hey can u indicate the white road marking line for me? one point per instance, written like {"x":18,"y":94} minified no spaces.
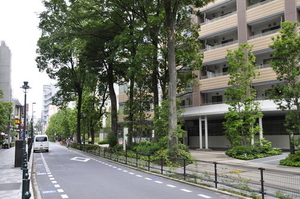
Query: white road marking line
{"x":119,"y":169}
{"x":186,"y":190}
{"x":204,"y":196}
{"x":159,"y":182}
{"x":138,"y":176}
{"x":52,"y":178}
{"x":64,"y":196}
{"x":131,"y":173}
{"x":60,"y":190}
{"x":148,"y":179}
{"x":172,"y":186}
{"x":125,"y":171}
{"x":54,"y":182}
{"x":56,"y":185}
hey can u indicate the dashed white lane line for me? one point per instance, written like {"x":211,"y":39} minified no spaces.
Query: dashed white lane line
{"x":52,"y":179}
{"x":186,"y":190}
{"x":172,"y":186}
{"x":204,"y":196}
{"x":64,"y":196}
{"x":140,"y":176}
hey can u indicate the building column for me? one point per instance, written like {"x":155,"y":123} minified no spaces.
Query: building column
{"x":200,"y":132}
{"x":290,"y":13}
{"x":206,"y":133}
{"x":261,"y":129}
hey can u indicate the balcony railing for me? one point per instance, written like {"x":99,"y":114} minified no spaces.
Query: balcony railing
{"x":208,"y":47}
{"x":264,"y":34}
{"x":259,"y":4}
{"x":207,"y":21}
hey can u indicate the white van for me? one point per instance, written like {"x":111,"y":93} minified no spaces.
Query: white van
{"x":41,"y":143}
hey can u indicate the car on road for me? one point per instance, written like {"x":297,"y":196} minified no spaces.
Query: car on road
{"x":41,"y":143}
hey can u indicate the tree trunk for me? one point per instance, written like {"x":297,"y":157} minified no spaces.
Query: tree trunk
{"x":170,"y":20}
{"x":113,"y":98}
{"x":78,"y":134}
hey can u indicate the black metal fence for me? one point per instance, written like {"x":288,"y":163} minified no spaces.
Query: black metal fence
{"x":251,"y":181}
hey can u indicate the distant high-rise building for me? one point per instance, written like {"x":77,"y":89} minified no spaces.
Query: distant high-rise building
{"x":48,"y":92}
{"x":5,"y":72}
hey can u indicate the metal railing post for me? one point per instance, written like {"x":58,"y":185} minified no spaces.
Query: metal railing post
{"x":216,"y":175}
{"x":161,"y":164}
{"x":148,"y":162}
{"x":262,"y":182}
{"x":184,"y":169}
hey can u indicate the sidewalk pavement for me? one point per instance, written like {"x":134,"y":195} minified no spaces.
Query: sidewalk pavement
{"x":11,"y":176}
{"x":221,"y":157}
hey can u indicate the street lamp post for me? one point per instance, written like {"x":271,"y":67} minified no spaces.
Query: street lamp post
{"x":26,"y":181}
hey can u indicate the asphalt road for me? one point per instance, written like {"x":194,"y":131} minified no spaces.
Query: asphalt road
{"x":65,"y":173}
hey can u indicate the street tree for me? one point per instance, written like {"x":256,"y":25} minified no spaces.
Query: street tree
{"x":62,"y":125}
{"x":5,"y":110}
{"x":286,"y":65}
{"x":58,"y":51}
{"x":241,"y":119}
{"x":173,"y":9}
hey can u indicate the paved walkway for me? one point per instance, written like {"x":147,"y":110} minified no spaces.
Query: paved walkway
{"x":10,"y":176}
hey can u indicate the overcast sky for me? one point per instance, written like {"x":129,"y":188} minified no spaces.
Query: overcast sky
{"x":18,"y":28}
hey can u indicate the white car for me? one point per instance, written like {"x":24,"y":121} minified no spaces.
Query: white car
{"x":41,"y":143}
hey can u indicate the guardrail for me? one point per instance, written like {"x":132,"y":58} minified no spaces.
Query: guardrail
{"x":245,"y":180}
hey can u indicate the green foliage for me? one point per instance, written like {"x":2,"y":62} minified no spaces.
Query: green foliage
{"x":241,"y":119}
{"x":5,"y":110}
{"x":103,"y":142}
{"x":112,"y":139}
{"x":146,"y":147}
{"x":62,"y":125}
{"x":292,"y":160}
{"x":286,"y":93}
{"x":258,"y":150}
{"x":282,"y":196}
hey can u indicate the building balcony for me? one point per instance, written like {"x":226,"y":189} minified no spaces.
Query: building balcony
{"x":218,"y":24}
{"x":269,"y":8}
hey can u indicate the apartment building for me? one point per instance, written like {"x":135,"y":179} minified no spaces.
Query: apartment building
{"x":48,"y":92}
{"x":225,"y":24}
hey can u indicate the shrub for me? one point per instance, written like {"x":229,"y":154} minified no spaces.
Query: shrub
{"x":292,"y":160}
{"x":146,"y":147}
{"x":103,"y":142}
{"x":253,"y":151}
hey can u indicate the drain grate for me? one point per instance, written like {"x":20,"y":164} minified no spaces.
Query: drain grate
{"x":10,"y":186}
